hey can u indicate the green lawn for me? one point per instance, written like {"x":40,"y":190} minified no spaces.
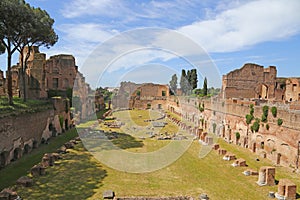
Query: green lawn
{"x":81,"y":176}
{"x":21,"y":107}
{"x":15,"y":170}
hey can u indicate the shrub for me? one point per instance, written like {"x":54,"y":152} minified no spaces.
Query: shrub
{"x":255,"y":126}
{"x":214,"y":127}
{"x":267,"y":126}
{"x":201,"y":109}
{"x":264,"y":118}
{"x":251,"y":109}
{"x":237,"y":135}
{"x":274,"y":111}
{"x":266,"y":110}
{"x":279,"y":122}
{"x":249,"y":119}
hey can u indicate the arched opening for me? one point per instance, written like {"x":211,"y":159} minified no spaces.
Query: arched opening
{"x":264,"y":91}
{"x":27,"y":149}
{"x":254,"y":147}
{"x":34,"y":144}
{"x":17,"y":154}
{"x":278,"y":159}
{"x":66,"y":124}
{"x":3,"y":157}
{"x":262,"y":145}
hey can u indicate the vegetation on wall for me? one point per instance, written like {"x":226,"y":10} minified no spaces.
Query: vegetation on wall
{"x":279,"y":122}
{"x":255,"y":126}
{"x":274,"y":111}
{"x":214,"y":127}
{"x":264,"y":117}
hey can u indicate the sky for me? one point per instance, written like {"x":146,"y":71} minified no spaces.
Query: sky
{"x":148,"y":41}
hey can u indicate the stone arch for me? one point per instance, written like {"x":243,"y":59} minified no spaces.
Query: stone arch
{"x":35,"y":144}
{"x":3,"y":158}
{"x":17,"y":153}
{"x":27,"y":149}
{"x":264,"y":91}
{"x":66,"y":124}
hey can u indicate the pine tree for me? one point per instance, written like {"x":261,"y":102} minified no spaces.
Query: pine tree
{"x":194,"y":79}
{"x":173,"y":84}
{"x":205,"y":87}
{"x":184,"y":82}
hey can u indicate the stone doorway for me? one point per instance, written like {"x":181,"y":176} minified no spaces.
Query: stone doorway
{"x":66,"y":124}
{"x":278,"y":158}
{"x":27,"y":149}
{"x":264,"y":91}
{"x":3,"y":157}
{"x":254,"y":147}
{"x":17,"y":154}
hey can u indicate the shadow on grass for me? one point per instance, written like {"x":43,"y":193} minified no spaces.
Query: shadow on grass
{"x":76,"y":176}
{"x":124,"y":141}
{"x":99,"y":140}
{"x":13,"y":171}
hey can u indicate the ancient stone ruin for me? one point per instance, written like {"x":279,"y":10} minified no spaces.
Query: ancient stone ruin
{"x":266,"y":176}
{"x":286,"y":190}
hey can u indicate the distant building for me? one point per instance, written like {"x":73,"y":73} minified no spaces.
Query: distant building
{"x":253,"y":81}
{"x":149,"y":95}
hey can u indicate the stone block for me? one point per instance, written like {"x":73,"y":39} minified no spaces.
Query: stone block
{"x":222,"y":151}
{"x":108,"y":194}
{"x":25,"y":181}
{"x":216,"y":146}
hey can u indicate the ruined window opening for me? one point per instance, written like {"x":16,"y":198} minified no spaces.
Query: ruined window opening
{"x":282,"y":86}
{"x":66,"y":83}
{"x":55,"y":70}
{"x":282,"y":98}
{"x":163,"y":93}
{"x":55,"y":83}
{"x":294,"y":87}
{"x":262,"y":145}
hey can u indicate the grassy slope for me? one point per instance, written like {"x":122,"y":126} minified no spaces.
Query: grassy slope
{"x":21,"y":107}
{"x":19,"y":168}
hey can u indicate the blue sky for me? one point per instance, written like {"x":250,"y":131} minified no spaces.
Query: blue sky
{"x":232,"y":32}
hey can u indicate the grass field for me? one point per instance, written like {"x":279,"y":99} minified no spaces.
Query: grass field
{"x":80,"y":176}
{"x":21,"y":107}
{"x":21,"y":167}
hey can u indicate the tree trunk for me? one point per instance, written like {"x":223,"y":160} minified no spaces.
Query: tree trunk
{"x":9,"y":79}
{"x":23,"y":74}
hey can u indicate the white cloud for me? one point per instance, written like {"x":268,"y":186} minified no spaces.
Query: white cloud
{"x":78,"y":8}
{"x":89,"y":32}
{"x":246,"y":25}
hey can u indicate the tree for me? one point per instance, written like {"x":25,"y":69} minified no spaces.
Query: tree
{"x":205,"y":87}
{"x":194,"y":79}
{"x":39,"y":32}
{"x":11,"y":27}
{"x":184,"y":85}
{"x":173,"y":84}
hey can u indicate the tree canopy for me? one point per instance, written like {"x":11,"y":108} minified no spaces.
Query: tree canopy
{"x":22,"y":25}
{"x":173,"y":84}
